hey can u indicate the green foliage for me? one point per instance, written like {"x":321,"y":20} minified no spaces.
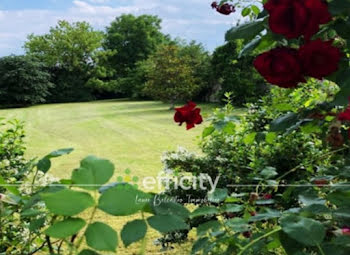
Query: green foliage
{"x":236,"y":74}
{"x":170,"y":77}
{"x":23,"y":81}
{"x":133,"y":39}
{"x":101,"y":237}
{"x":69,"y":49}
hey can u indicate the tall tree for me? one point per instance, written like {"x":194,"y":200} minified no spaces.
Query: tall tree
{"x":236,"y":74}
{"x":133,"y":39}
{"x":170,"y":76}
{"x":69,"y":49}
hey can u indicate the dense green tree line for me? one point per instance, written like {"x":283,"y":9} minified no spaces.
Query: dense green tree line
{"x":131,"y":58}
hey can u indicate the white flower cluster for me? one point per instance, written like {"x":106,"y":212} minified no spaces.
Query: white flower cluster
{"x":181,"y":154}
{"x":42,"y":180}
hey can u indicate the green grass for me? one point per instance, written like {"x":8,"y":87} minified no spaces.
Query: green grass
{"x":132,"y":134}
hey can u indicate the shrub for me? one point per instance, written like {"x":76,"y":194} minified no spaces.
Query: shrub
{"x":23,"y":81}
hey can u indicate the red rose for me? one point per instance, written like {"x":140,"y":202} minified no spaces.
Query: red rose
{"x":267,"y":196}
{"x":344,"y":115}
{"x":293,"y":18}
{"x":346,"y":231}
{"x":225,"y":9}
{"x":321,"y":182}
{"x":319,"y":58}
{"x":281,"y":67}
{"x":214,"y":5}
{"x":189,"y":114}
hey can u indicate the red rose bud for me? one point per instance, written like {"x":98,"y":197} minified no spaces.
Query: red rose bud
{"x":189,"y":114}
{"x":293,"y":18}
{"x":252,"y":213}
{"x":281,"y":67}
{"x":267,"y":196}
{"x":321,"y":182}
{"x":346,"y":231}
{"x":214,"y":5}
{"x":319,"y":59}
{"x":247,"y":234}
{"x":225,"y":9}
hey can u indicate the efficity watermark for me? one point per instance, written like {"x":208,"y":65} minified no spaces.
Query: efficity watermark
{"x":165,"y":181}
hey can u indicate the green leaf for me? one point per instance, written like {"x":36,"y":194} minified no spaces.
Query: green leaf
{"x":166,"y":224}
{"x":304,"y":230}
{"x":93,"y":171}
{"x":88,"y":252}
{"x":340,"y":198}
{"x":270,"y":137}
{"x":343,"y":81}
{"x":249,"y":47}
{"x":245,"y":31}
{"x":337,"y":7}
{"x":66,"y":228}
{"x":36,"y":224}
{"x":59,"y":153}
{"x":218,"y":195}
{"x":101,"y":237}
{"x":268,"y":172}
{"x":207,"y":226}
{"x":310,"y":199}
{"x":255,"y":9}
{"x":290,"y":246}
{"x":269,"y":214}
{"x":237,"y":224}
{"x":161,"y":206}
{"x":67,"y":202}
{"x":284,"y":122}
{"x":208,"y":131}
{"x":246,"y":11}
{"x":44,"y":164}
{"x":123,"y":200}
{"x":11,"y":189}
{"x":133,"y":232}
{"x":199,"y":245}
{"x":232,"y":208}
{"x":250,"y":138}
{"x":205,"y":210}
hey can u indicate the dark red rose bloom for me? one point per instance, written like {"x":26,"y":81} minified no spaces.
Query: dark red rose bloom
{"x":189,"y":114}
{"x":214,"y":5}
{"x":319,"y":58}
{"x":346,"y":231}
{"x":343,"y":116}
{"x":321,"y":182}
{"x":281,"y":67}
{"x":225,"y":9}
{"x":247,"y":234}
{"x":267,"y":196}
{"x":293,"y":18}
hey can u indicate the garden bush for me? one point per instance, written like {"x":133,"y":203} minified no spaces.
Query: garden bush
{"x":23,"y":81}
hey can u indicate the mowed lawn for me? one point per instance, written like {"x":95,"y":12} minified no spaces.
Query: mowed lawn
{"x":132,"y":134}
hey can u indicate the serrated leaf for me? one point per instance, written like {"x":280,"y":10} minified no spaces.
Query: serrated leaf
{"x":123,"y":200}
{"x":66,"y":228}
{"x":304,"y":230}
{"x":101,"y":237}
{"x":67,"y":202}
{"x":218,"y":195}
{"x":133,"y":231}
{"x":166,"y":224}
{"x":205,"y":210}
{"x":245,"y":31}
{"x":93,"y":173}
